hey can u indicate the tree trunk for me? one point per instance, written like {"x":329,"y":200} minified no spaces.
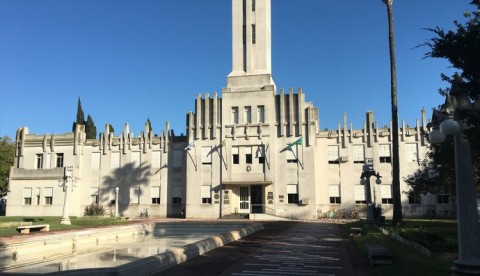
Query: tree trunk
{"x":397,"y":203}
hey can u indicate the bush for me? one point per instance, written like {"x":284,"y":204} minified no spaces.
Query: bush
{"x":94,"y":210}
{"x":431,"y":240}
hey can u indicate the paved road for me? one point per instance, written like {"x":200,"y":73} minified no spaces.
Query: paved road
{"x":283,"y":248}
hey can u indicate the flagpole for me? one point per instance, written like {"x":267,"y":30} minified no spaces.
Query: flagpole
{"x":221,"y":173}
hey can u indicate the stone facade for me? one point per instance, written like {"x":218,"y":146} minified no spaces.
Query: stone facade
{"x":253,"y":150}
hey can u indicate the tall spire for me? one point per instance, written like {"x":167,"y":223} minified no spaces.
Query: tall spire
{"x":251,"y":45}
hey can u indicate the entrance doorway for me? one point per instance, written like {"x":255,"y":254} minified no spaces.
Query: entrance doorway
{"x":244,"y":199}
{"x":256,"y":199}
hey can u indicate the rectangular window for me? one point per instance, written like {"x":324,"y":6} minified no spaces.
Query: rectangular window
{"x":177,"y":200}
{"x":248,"y":155}
{"x":115,"y":160}
{"x":113,"y":196}
{"x":254,"y":34}
{"x":261,"y":154}
{"x":411,"y":153}
{"x":332,"y":152}
{"x":94,"y":195}
{"x":358,"y":154}
{"x":248,"y":114}
{"x":261,"y":114}
{"x":291,"y":157}
{"x":360,"y":194}
{"x":235,"y":156}
{"x":134,"y":195}
{"x":414,"y":200}
{"x":48,"y":195}
{"x":207,"y":155}
{"x":443,"y":199}
{"x":206,"y":194}
{"x":155,"y":194}
{"x":95,"y":161}
{"x":27,"y":196}
{"x":59,"y":160}
{"x":334,"y":193}
{"x":235,"y":115}
{"x":156,"y":159}
{"x":253,"y":5}
{"x":39,"y":161}
{"x":386,"y":191}
{"x":384,"y":154}
{"x":292,"y":192}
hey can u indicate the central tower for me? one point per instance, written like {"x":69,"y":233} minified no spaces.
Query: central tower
{"x":251,"y":45}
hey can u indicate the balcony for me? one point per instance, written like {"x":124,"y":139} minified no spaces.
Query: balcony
{"x":34,"y":174}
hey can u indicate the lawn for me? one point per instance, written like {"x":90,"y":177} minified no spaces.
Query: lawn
{"x":55,"y":223}
{"x":407,"y":261}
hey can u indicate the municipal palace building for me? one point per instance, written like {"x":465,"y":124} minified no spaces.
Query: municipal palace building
{"x":254,"y":150}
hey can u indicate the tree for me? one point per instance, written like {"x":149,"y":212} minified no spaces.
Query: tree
{"x":7,"y":156}
{"x":397,"y":203}
{"x":90,"y":128}
{"x":80,"y":115}
{"x":460,"y":47}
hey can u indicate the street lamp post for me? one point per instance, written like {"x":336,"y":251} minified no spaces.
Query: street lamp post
{"x":68,"y":182}
{"x":447,"y":122}
{"x":367,"y":172}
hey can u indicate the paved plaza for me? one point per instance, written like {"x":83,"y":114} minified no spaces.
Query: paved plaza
{"x":283,"y":248}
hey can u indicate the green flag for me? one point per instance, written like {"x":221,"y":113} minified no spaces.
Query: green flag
{"x":298,"y":142}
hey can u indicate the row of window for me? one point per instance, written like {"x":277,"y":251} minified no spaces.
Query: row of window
{"x":384,"y":153}
{"x":39,"y":162}
{"x":247,"y":114}
{"x":34,"y":196}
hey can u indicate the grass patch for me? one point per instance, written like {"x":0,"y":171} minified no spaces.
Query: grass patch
{"x":406,"y":261}
{"x":54,"y":222}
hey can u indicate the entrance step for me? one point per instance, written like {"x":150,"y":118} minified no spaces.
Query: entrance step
{"x":263,"y":216}
{"x":235,"y":216}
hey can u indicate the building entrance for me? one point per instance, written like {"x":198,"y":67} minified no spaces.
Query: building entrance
{"x":251,"y":199}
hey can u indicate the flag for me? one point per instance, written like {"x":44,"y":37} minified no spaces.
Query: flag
{"x":298,"y":142}
{"x":224,"y":143}
{"x":190,"y":146}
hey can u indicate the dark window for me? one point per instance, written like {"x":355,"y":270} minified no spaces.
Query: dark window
{"x":254,"y":34}
{"x":48,"y":200}
{"x":360,"y":202}
{"x":359,"y":161}
{"x":443,"y":199}
{"x":155,"y":200}
{"x":261,"y":160}
{"x":335,"y":200}
{"x":177,"y":200}
{"x":236,"y":159}
{"x":112,"y":202}
{"x":248,"y":158}
{"x":293,"y":198}
{"x":333,"y":162}
{"x":385,"y":159}
{"x":59,"y":160}
{"x":292,"y":160}
{"x":387,"y":200}
{"x":207,"y":200}
{"x":253,"y":5}
{"x":414,"y":200}
{"x":39,"y":161}
{"x":27,"y":201}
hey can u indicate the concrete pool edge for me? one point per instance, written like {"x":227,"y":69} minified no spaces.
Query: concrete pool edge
{"x":167,"y":259}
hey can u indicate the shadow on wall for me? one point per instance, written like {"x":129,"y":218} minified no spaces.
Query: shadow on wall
{"x":131,"y":179}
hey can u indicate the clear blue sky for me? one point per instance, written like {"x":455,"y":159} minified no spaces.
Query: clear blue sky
{"x":130,"y":60}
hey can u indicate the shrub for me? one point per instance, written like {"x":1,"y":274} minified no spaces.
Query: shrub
{"x":94,"y":210}
{"x":431,"y":240}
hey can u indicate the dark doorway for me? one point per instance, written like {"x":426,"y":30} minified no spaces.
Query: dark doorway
{"x":256,"y":199}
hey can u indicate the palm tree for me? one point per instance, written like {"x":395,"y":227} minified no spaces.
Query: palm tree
{"x":397,"y":204}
